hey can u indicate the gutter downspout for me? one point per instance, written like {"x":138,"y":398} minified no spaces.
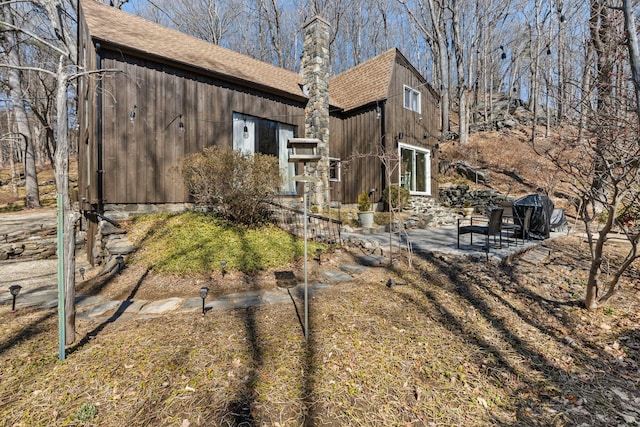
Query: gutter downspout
{"x":99,"y":133}
{"x":383,"y":132}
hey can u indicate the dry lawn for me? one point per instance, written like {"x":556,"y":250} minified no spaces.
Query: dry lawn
{"x":462,"y":344}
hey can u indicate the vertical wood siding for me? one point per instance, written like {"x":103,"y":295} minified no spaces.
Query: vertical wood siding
{"x":142,"y":158}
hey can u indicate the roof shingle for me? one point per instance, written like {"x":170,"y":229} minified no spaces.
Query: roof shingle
{"x":357,"y":86}
{"x":364,"y":83}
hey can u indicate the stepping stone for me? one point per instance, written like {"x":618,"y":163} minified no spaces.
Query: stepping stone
{"x":537,"y":255}
{"x":100,"y":309}
{"x":336,"y":276}
{"x":87,"y":300}
{"x":194,"y":302}
{"x":157,"y":307}
{"x":370,"y":260}
{"x":353,"y":269}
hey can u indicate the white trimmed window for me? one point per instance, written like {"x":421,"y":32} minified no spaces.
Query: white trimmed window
{"x":412,"y":99}
{"x":335,"y":167}
{"x":256,"y":135}
{"x":415,"y":169}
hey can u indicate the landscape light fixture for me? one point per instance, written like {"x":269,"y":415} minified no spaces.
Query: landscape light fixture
{"x":181,"y":125}
{"x":120,"y":262}
{"x":319,"y":254}
{"x":81,"y":270}
{"x":223,"y":267}
{"x":14,"y":290}
{"x":203,"y":294}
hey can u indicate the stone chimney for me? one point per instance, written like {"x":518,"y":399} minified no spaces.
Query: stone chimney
{"x":316,"y":70}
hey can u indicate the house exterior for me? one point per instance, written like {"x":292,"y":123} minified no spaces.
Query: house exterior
{"x":161,"y":95}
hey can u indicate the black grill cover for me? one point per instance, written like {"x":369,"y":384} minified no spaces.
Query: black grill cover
{"x":539,"y":227}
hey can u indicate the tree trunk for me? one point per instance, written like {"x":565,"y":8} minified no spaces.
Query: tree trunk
{"x":436,"y":12}
{"x":634,"y":51}
{"x":69,"y":217}
{"x":463,"y":107}
{"x":32,"y":196}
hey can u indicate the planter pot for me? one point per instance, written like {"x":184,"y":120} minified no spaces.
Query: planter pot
{"x":365,"y":219}
{"x":468,"y":211}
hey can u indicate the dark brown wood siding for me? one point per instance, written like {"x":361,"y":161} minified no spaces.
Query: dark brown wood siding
{"x":418,"y":129}
{"x":357,"y":137}
{"x":358,"y":148}
{"x":142,"y":158}
{"x":86,"y":113}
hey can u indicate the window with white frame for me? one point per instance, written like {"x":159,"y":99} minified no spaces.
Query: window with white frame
{"x":334,"y":169}
{"x":415,"y":169}
{"x":255,"y":135}
{"x":412,"y":99}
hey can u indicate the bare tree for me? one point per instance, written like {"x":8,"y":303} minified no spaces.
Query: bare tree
{"x":429,"y":16}
{"x":62,"y":72}
{"x":602,"y":162}
{"x":11,"y":50}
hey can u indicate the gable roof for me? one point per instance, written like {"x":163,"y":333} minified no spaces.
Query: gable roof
{"x":109,"y":24}
{"x":363,"y":84}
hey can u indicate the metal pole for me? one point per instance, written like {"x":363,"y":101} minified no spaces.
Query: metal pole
{"x":306,"y":300}
{"x":61,"y":290}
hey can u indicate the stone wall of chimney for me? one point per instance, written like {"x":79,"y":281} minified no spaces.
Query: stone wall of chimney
{"x":316,"y":71}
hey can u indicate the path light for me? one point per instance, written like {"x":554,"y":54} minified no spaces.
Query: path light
{"x":203,"y":294}
{"x":81,"y":270}
{"x":15,"y":290}
{"x":223,"y":267}
{"x":319,"y":254}
{"x":120,"y":262}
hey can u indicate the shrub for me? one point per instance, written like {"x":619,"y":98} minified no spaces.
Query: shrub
{"x":364,"y":203}
{"x":233,"y":184}
{"x":399,"y":197}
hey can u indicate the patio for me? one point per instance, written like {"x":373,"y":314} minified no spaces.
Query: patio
{"x":443,"y":240}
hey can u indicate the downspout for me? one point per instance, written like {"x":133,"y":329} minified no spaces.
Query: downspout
{"x":99,"y":132}
{"x":383,"y":132}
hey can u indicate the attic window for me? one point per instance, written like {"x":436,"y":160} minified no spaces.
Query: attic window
{"x":412,"y":99}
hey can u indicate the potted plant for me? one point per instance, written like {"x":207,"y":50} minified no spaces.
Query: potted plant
{"x":467,"y":208}
{"x":365,"y":214}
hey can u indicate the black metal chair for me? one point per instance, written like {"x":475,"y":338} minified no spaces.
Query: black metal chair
{"x":518,"y":227}
{"x":492,"y":226}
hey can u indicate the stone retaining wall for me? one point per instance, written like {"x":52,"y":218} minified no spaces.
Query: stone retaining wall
{"x":458,"y":196}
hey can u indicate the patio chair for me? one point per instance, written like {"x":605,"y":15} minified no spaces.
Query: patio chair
{"x":492,"y":226}
{"x":518,"y":228}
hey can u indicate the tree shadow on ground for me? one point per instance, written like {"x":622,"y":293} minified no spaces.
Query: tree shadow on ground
{"x":120,"y":310}
{"x":463,"y":298}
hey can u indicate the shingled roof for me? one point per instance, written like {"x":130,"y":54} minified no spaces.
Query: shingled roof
{"x":128,"y":31}
{"x":363,"y":84}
